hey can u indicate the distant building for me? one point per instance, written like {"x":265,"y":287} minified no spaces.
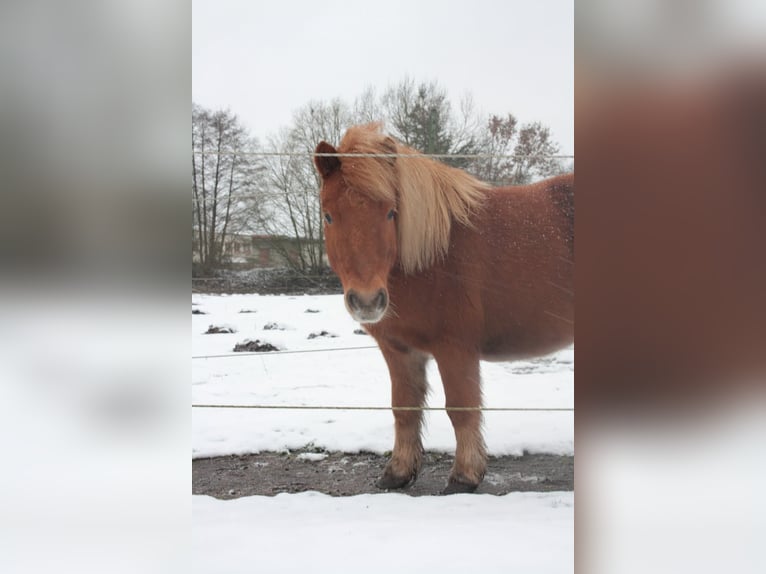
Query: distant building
{"x":249,"y":251}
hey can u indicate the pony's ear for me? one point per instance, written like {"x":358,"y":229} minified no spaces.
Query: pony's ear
{"x":326,"y":165}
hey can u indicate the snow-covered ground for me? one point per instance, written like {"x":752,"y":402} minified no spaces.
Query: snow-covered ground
{"x":524,"y":532}
{"x":371,"y":533}
{"x":347,"y":377}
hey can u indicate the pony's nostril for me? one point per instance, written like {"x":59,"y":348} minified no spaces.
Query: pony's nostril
{"x":381,"y":299}
{"x":352,"y":300}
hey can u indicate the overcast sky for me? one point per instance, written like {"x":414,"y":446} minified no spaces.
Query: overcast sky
{"x":264,"y":59}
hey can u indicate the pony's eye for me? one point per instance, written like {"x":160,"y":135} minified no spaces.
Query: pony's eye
{"x":327,"y":218}
{"x":391,"y":214}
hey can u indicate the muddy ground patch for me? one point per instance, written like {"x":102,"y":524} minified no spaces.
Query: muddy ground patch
{"x":347,"y":474}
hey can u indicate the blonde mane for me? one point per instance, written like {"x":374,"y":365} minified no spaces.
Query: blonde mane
{"x":428,"y":194}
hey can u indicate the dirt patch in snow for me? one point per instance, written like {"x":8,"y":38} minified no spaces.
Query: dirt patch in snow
{"x":256,"y":346}
{"x":322,"y":334}
{"x":219,"y":329}
{"x":345,"y":474}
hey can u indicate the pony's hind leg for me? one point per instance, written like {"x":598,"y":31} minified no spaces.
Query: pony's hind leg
{"x":408,"y":389}
{"x":460,"y":376}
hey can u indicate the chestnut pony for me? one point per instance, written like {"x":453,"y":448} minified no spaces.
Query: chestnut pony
{"x":435,"y":263}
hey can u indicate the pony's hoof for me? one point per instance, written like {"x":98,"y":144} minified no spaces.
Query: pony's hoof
{"x":457,"y":487}
{"x":391,"y":482}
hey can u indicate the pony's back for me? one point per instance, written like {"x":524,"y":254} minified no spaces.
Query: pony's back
{"x":518,"y":261}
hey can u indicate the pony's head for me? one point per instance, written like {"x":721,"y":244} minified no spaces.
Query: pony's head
{"x":381,"y":210}
{"x":360,"y":227}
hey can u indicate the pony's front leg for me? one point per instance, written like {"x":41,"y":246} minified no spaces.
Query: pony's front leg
{"x":460,"y":375}
{"x":408,"y":389}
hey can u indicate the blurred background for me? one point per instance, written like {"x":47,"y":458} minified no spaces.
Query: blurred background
{"x":670,"y":109}
{"x":94,"y":280}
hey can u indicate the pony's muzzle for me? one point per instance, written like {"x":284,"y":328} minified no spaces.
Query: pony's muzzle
{"x":367,"y":308}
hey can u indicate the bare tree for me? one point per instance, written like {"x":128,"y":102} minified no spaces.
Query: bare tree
{"x":224,"y":184}
{"x":367,"y":107}
{"x":533,"y":154}
{"x":497,"y":143}
{"x":516,"y":155}
{"x":466,"y":127}
{"x":293,"y":200}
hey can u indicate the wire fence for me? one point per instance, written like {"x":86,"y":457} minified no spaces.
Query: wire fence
{"x":384,"y":155}
{"x":287,"y":352}
{"x":351,"y":407}
{"x":297,"y":276}
{"x":377,"y":408}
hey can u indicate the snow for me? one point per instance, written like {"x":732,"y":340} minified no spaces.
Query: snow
{"x":312,"y":532}
{"x":356,"y":377}
{"x":312,"y":456}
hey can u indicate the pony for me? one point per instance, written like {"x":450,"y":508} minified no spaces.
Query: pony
{"x":437,"y":264}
